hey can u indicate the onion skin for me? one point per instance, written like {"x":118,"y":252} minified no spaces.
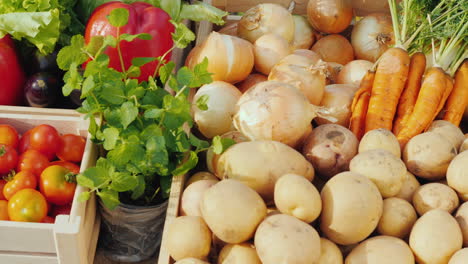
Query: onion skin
{"x":330,"y":16}
{"x":230,"y":29}
{"x":304,"y":35}
{"x":333,"y":70}
{"x":266,"y":18}
{"x":269,"y":49}
{"x":230,"y":59}
{"x":250,"y":81}
{"x":353,"y":72}
{"x":308,"y":54}
{"x":334,"y":48}
{"x":337,"y":99}
{"x":372,"y":36}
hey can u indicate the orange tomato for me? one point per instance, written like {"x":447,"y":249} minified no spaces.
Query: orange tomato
{"x":27,"y":205}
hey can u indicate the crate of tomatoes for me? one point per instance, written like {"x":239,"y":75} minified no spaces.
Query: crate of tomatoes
{"x":41,"y":152}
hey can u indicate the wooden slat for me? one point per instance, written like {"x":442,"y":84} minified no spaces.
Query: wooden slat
{"x":19,"y":258}
{"x":300,"y":6}
{"x":26,"y":237}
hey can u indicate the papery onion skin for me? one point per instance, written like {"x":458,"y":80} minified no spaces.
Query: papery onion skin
{"x":274,"y":111}
{"x":330,"y":16}
{"x":266,"y":18}
{"x":222,"y":100}
{"x":304,"y":35}
{"x":269,"y":49}
{"x":230,"y":29}
{"x":308,"y":54}
{"x":250,"y":81}
{"x":337,"y":100}
{"x":334,"y":48}
{"x":372,"y":36}
{"x":353,"y":72}
{"x":333,"y":70}
{"x":230,"y":59}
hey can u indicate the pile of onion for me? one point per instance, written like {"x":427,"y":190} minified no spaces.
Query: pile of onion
{"x":330,"y":16}
{"x":334,"y":48}
{"x":337,"y":100}
{"x":269,"y":49}
{"x":304,"y":35}
{"x":353,"y":72}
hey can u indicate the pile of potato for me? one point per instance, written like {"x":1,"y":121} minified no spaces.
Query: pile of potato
{"x":336,"y":200}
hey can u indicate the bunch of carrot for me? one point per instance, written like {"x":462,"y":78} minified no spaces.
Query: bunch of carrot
{"x":401,"y":95}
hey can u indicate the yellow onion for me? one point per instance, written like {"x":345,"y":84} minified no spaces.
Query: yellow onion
{"x":303,"y":73}
{"x":308,"y":54}
{"x":269,"y":49}
{"x":334,"y":48}
{"x":330,"y":16}
{"x":353,"y":72}
{"x":337,"y":100}
{"x":250,"y":81}
{"x":230,"y":29}
{"x":230,"y":58}
{"x":266,"y":18}
{"x":304,"y":35}
{"x":212,"y":158}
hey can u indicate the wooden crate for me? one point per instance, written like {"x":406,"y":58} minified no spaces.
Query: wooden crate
{"x":72,"y":238}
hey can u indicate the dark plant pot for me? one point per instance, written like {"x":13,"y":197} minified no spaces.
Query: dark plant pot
{"x":131,"y":233}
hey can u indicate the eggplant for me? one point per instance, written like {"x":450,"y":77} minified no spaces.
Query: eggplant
{"x":42,"y":89}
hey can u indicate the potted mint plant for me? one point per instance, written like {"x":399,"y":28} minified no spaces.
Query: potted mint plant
{"x":143,"y":129}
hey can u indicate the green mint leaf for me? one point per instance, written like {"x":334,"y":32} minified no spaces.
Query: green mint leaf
{"x":130,"y":38}
{"x":93,"y":177}
{"x":185,"y":77}
{"x":156,"y":151}
{"x":72,"y":54}
{"x":153,"y":113}
{"x":182,"y":35}
{"x":112,"y":116}
{"x":165,"y":71}
{"x":93,"y":127}
{"x":154,"y":97}
{"x":133,"y":71}
{"x":129,"y":113}
{"x":138,"y":92}
{"x":84,"y":196}
{"x":110,"y":198}
{"x":150,"y":131}
{"x":123,"y":181}
{"x":140,"y":187}
{"x":88,"y":86}
{"x":198,"y":11}
{"x":202,"y":76}
{"x":189,"y":164}
{"x":111,"y":135}
{"x":118,"y":17}
{"x":95,"y":45}
{"x":109,"y":40}
{"x":166,"y":183}
{"x":73,"y":80}
{"x":112,"y":92}
{"x":126,"y":152}
{"x":172,"y":7}
{"x":96,"y":66}
{"x":140,"y":61}
{"x":198,"y":143}
{"x":202,"y":102}
{"x":221,"y":144}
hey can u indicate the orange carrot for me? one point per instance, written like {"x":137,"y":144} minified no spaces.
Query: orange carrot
{"x":390,"y":79}
{"x":431,"y":95}
{"x":410,"y":93}
{"x":458,"y":99}
{"x":360,"y":104}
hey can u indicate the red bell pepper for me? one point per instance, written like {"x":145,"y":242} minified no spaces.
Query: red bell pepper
{"x":143,"y":18}
{"x":11,"y":74}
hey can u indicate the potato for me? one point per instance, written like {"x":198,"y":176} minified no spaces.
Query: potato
{"x":448,"y":130}
{"x":337,"y":99}
{"x":188,"y":237}
{"x":435,"y":237}
{"x":330,"y":148}
{"x":386,"y":170}
{"x":462,"y":218}
{"x":285,"y":239}
{"x":244,"y":253}
{"x":410,"y":185}
{"x":201,"y":175}
{"x":457,"y":175}
{"x":191,"y":261}
{"x":330,"y":253}
{"x":259,"y":164}
{"x":460,"y":257}
{"x":232,"y":211}
{"x":397,"y":219}
{"x":192,"y":196}
{"x":212,"y":158}
{"x":435,"y":196}
{"x":381,"y":250}
{"x":295,"y":195}
{"x":380,"y":139}
{"x":351,"y":208}
{"x":428,"y":155}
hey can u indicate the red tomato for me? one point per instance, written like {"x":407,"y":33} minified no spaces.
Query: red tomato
{"x":72,"y":148}
{"x":4,"y":210}
{"x":11,"y":73}
{"x":69,"y":165}
{"x":22,"y":180}
{"x":55,"y":187}
{"x":2,"y":185}
{"x":45,"y":139}
{"x":61,"y":210}
{"x":34,"y":161}
{"x":48,"y":220}
{"x":24,"y":142}
{"x":27,"y":205}
{"x":8,"y":136}
{"x":8,"y":158}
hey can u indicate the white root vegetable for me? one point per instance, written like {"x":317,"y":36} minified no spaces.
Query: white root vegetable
{"x":192,"y":196}
{"x":435,"y":196}
{"x":222,"y":98}
{"x":380,"y":139}
{"x":269,"y":49}
{"x":274,"y":111}
{"x":449,"y":131}
{"x":372,"y":36}
{"x":303,"y":33}
{"x":460,"y":257}
{"x":251,"y":81}
{"x":397,"y":219}
{"x":457,"y":175}
{"x":305,"y":73}
{"x":230,"y":59}
{"x":266,"y":18}
{"x":462,"y":218}
{"x":410,"y":185}
{"x":354,"y":71}
{"x":244,"y":253}
{"x":334,"y":48}
{"x":330,"y":253}
{"x":382,"y":250}
{"x":337,"y":100}
{"x":330,"y":16}
{"x":212,"y":158}
{"x":435,"y":237}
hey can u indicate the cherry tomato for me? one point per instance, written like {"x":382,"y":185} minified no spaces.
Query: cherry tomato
{"x":4,"y":210}
{"x":54,"y":185}
{"x":24,"y":142}
{"x":48,"y":220}
{"x":2,"y":185}
{"x":72,"y":148}
{"x":27,"y":205}
{"x":61,"y":210}
{"x":34,"y":161}
{"x":8,"y":136}
{"x":69,"y":165}
{"x":8,"y":158}
{"x":22,"y":180}
{"x":45,"y":139}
